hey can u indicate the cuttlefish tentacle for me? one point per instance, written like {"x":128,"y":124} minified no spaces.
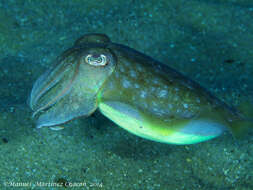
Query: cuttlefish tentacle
{"x":50,"y":78}
{"x":63,"y":91}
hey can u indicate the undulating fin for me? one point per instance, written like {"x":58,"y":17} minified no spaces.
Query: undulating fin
{"x":241,"y":126}
{"x":246,"y":109}
{"x":92,"y":38}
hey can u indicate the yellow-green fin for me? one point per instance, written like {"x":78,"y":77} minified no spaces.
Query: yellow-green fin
{"x":246,"y":109}
{"x":240,"y":127}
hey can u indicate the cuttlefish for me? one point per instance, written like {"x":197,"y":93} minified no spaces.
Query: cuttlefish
{"x":139,"y":94}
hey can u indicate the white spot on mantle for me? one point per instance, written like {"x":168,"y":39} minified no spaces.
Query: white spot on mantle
{"x":126,"y":83}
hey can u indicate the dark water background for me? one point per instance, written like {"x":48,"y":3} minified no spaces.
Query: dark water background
{"x":209,"y":41}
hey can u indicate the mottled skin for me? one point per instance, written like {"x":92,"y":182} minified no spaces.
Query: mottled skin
{"x":140,"y":81}
{"x":141,"y":95}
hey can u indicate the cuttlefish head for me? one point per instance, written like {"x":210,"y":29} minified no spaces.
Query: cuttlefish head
{"x":69,"y":89}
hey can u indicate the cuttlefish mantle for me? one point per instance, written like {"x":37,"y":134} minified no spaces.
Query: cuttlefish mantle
{"x":139,"y":94}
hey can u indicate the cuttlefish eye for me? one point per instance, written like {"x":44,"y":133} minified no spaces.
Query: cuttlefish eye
{"x":96,"y":60}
